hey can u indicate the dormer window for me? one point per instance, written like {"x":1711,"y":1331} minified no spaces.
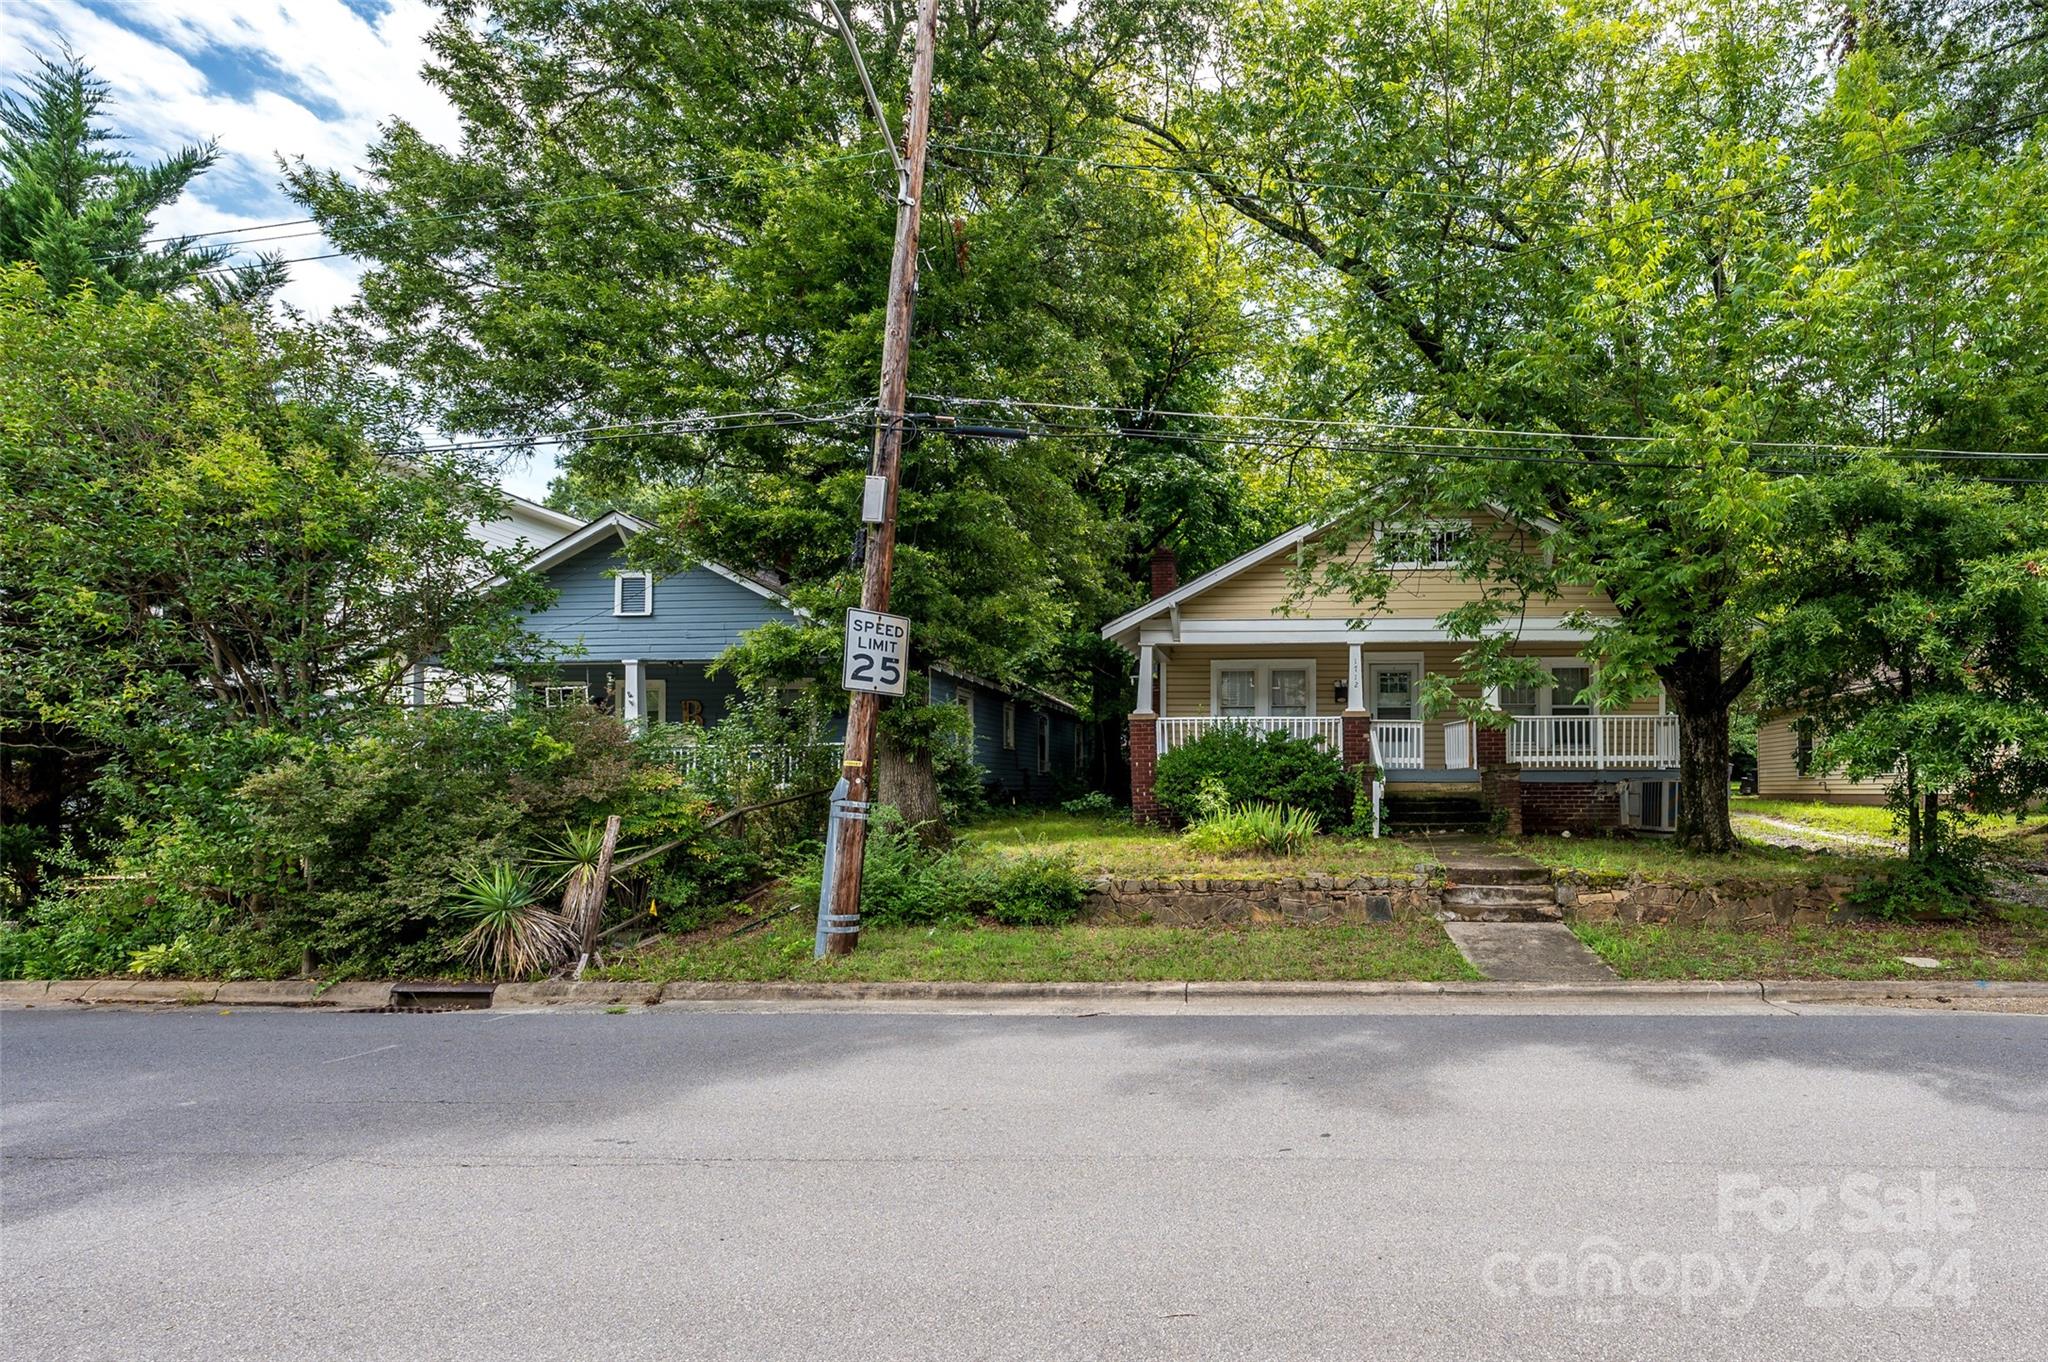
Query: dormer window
{"x":633,"y":593}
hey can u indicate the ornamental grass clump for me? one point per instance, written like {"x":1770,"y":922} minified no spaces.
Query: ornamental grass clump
{"x":1252,"y":829}
{"x":512,"y":933}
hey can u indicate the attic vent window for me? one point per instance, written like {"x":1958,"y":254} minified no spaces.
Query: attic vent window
{"x":1432,"y":545}
{"x":633,"y":594}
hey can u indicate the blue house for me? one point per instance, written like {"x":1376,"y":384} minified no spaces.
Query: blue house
{"x":643,"y":644}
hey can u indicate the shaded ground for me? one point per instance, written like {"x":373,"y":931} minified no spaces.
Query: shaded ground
{"x":663,"y":1184}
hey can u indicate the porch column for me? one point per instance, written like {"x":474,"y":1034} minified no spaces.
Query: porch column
{"x":632,"y":698}
{"x":1145,"y":745}
{"x":1144,"y":679}
{"x":1357,"y":718}
{"x":1489,"y":744}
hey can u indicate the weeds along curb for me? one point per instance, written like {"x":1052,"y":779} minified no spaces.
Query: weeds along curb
{"x":369,"y":995}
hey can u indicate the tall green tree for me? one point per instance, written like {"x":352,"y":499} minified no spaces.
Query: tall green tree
{"x":658,"y":211}
{"x":201,"y":544}
{"x":1626,"y":236}
{"x":1912,"y":637}
{"x":79,"y":209}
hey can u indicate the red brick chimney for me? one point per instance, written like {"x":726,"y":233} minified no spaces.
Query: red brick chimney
{"x":1165,"y":572}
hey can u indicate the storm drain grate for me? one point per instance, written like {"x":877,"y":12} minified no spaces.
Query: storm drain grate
{"x":439,"y":997}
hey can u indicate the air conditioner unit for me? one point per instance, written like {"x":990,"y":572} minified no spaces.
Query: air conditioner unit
{"x":1651,"y":805}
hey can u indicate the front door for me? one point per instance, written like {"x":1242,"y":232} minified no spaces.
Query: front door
{"x":1392,"y":687}
{"x":657,"y":702}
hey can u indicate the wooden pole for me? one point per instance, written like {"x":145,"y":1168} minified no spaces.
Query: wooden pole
{"x":596,"y":887}
{"x":850,"y":832}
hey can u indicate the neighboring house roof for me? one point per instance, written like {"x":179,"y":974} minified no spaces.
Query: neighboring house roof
{"x":1044,"y":697}
{"x":622,"y":526}
{"x":526,"y":522}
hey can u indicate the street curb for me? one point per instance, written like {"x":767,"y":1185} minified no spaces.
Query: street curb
{"x":366,"y":994}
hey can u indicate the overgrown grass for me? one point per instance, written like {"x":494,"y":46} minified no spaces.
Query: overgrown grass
{"x":1396,"y":950}
{"x":1116,"y":846}
{"x":1861,"y":820}
{"x":1660,"y":859}
{"x":2012,"y":947}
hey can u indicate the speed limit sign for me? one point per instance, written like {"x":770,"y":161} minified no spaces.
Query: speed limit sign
{"x":877,"y":652}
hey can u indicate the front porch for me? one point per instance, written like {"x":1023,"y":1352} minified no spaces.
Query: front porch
{"x":1403,"y":747}
{"x":1552,"y":756}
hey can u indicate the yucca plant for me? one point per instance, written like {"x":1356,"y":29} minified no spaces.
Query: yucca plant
{"x":512,"y":932}
{"x":573,"y":856}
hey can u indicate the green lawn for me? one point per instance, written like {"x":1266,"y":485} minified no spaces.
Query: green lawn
{"x":1116,"y":846}
{"x":1862,"y":820}
{"x":1658,"y":858}
{"x":1398,"y":950}
{"x":1865,"y":820}
{"x":2010,"y":948}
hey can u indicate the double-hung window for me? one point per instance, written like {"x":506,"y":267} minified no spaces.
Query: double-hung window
{"x":1279,"y":689}
{"x":1009,"y":725}
{"x":1044,"y":744}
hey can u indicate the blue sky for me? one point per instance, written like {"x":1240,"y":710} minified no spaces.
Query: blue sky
{"x":311,"y":78}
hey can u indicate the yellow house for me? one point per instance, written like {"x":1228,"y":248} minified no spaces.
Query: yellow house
{"x":1234,"y":646}
{"x":1784,"y":768}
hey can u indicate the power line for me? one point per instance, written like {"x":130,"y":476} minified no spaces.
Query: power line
{"x":1490,"y":431}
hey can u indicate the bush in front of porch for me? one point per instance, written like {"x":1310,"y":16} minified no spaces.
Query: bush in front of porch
{"x":1254,"y":767}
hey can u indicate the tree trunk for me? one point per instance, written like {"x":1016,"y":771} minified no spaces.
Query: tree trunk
{"x":908,"y":782}
{"x":1699,"y":693}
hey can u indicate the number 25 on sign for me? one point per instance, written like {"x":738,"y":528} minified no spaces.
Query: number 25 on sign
{"x":877,"y":652}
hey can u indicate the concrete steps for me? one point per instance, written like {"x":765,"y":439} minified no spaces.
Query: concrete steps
{"x":1433,"y":813}
{"x":1501,"y":903}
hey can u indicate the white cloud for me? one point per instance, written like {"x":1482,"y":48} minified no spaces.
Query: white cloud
{"x":311,"y":78}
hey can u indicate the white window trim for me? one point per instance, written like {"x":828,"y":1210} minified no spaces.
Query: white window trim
{"x":1371,"y":659}
{"x":1418,"y":527}
{"x":1546,"y":696}
{"x":619,"y":594}
{"x":1009,"y":725}
{"x":562,"y":694}
{"x":1262,"y":690}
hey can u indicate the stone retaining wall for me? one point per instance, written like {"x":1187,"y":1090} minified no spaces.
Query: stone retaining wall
{"x":1203,"y":901}
{"x":1734,"y":904}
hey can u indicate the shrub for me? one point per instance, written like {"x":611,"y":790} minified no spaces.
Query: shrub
{"x":1253,"y":766}
{"x":1951,"y":885}
{"x":905,"y":882}
{"x":1037,"y":891}
{"x":1246,"y":829}
{"x":1094,"y":804}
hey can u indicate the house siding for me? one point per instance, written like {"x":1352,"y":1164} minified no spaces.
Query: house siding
{"x":1777,"y":771}
{"x":1263,"y":591}
{"x":697,"y":614}
{"x":1015,"y":771}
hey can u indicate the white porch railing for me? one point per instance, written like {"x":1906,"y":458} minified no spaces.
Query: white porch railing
{"x":1397,"y":744}
{"x":1172,"y":733}
{"x":1595,"y":741}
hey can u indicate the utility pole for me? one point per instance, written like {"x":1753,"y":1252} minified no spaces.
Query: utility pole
{"x":846,"y":837}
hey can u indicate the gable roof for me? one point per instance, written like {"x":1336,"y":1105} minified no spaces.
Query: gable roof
{"x":1172,"y":599}
{"x":623,"y":527}
{"x":1294,"y":538}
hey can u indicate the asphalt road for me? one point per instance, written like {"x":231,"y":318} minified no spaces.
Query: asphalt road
{"x":698,"y":1185}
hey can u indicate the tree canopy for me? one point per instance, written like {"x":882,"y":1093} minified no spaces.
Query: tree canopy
{"x":80,"y":209}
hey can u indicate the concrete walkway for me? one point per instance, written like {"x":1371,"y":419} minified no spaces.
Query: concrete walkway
{"x":1528,"y":953}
